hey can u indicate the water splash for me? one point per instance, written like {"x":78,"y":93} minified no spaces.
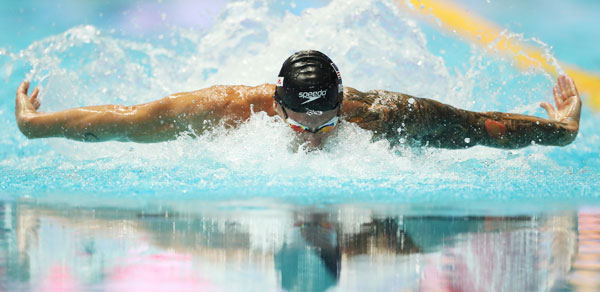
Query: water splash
{"x":375,"y":44}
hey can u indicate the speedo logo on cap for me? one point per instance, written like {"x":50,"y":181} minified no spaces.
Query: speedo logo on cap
{"x":312,"y":95}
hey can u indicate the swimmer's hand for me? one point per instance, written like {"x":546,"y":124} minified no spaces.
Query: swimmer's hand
{"x":568,"y":104}
{"x":26,"y":106}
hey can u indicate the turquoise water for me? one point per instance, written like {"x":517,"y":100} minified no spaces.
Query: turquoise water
{"x":225,"y":211}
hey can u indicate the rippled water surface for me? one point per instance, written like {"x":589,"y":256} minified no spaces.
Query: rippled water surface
{"x":120,"y":245}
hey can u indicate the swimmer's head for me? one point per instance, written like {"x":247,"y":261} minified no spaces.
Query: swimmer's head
{"x":309,"y":96}
{"x":309,"y":81}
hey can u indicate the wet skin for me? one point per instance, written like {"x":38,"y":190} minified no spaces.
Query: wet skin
{"x":390,"y":115}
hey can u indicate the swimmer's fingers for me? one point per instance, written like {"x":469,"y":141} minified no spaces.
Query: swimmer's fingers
{"x":23,"y":88}
{"x":572,"y":86}
{"x":567,"y":87}
{"x":558,"y":99}
{"x":550,"y":109}
{"x":23,"y":102}
{"x":22,"y":96}
{"x":562,"y":87}
{"x":34,"y":98}
{"x":568,"y":94}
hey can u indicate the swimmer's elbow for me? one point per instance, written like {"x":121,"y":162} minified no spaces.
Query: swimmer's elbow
{"x":568,"y":138}
{"x":563,"y":135}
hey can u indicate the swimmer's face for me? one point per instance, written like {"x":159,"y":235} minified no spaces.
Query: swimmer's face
{"x":313,"y":120}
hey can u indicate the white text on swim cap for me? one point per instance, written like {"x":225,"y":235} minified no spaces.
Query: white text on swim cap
{"x":312,"y":95}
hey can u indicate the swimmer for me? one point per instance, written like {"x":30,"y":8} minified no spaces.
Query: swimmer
{"x":310,"y":98}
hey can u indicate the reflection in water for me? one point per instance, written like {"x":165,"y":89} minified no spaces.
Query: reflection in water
{"x":586,"y":268}
{"x":309,"y":259}
{"x":51,"y":247}
{"x":529,"y":258}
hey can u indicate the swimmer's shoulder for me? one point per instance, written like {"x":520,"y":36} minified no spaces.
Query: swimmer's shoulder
{"x":230,"y":95}
{"x":233,"y":101}
{"x":375,"y":110}
{"x":242,"y":100}
{"x":358,"y":104}
{"x":354,"y":97}
{"x":233,"y":92}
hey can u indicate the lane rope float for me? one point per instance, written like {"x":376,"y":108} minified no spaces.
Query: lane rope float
{"x":480,"y":31}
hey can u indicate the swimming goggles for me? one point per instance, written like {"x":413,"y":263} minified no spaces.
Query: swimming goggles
{"x":327,"y":127}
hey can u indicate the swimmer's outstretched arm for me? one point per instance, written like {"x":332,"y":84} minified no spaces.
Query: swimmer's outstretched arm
{"x":160,"y":120}
{"x":428,"y":122}
{"x":455,"y":128}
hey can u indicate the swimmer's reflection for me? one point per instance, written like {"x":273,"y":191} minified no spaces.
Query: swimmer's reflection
{"x":304,"y":249}
{"x":311,"y":256}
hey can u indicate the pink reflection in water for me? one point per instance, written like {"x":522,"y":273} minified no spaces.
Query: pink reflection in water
{"x":496,"y":261}
{"x":585,"y":275}
{"x":158,"y":272}
{"x":60,"y":278}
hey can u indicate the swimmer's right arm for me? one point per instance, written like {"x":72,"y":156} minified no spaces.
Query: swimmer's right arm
{"x":160,"y":120}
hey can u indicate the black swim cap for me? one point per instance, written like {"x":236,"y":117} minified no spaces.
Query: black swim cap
{"x":309,"y":80}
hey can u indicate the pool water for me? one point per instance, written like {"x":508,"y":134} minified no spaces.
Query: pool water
{"x":235,"y":209}
{"x":258,"y":246}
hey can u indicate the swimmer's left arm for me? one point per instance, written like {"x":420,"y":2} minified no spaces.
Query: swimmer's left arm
{"x":435,"y":124}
